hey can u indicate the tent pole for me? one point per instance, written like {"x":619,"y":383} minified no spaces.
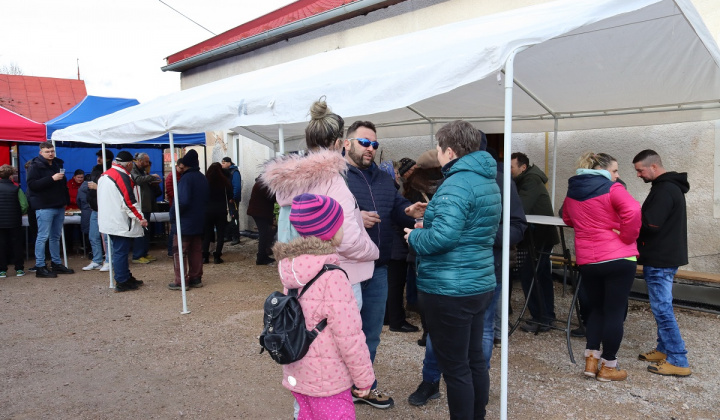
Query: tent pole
{"x":281,"y":140}
{"x":109,"y":242}
{"x":554,"y":164}
{"x":176,"y":203}
{"x":507,"y":146}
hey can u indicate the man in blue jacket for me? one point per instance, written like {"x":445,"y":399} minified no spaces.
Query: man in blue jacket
{"x":381,"y":205}
{"x":233,"y":229}
{"x":192,"y":194}
{"x":48,"y":195}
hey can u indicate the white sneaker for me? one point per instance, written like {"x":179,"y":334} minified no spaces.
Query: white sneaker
{"x":92,"y":266}
{"x":105,"y":267}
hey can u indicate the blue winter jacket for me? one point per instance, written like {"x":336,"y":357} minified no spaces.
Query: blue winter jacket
{"x":193,"y":194}
{"x":378,"y":193}
{"x":455,"y":247}
{"x":236,"y":181}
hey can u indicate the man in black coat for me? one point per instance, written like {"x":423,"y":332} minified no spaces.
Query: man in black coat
{"x":48,"y":196}
{"x":662,"y":245}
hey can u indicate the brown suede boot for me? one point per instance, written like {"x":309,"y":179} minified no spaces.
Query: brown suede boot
{"x":653,"y":356}
{"x":591,"y":366}
{"x":607,"y":374}
{"x":668,"y":369}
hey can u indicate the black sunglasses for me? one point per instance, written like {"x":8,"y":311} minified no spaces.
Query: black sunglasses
{"x":367,"y":143}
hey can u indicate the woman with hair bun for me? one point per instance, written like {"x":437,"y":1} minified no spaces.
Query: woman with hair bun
{"x":606,"y":219}
{"x":322,"y":171}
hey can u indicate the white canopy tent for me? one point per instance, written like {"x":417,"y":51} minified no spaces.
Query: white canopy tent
{"x":579,"y":65}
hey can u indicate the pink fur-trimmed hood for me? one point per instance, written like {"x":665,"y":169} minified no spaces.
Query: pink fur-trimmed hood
{"x":317,"y":168}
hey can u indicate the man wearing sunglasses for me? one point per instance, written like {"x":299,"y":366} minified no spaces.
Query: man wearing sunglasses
{"x":381,"y":205}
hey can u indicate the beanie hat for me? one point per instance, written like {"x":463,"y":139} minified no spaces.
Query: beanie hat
{"x":124,"y":157}
{"x":191,"y":159}
{"x":316,"y":215}
{"x":428,"y":160}
{"x":405,"y":165}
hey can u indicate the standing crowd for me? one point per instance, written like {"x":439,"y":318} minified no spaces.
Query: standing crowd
{"x":429,"y":229}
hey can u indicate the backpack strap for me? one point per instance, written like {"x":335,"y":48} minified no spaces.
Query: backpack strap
{"x":326,"y":267}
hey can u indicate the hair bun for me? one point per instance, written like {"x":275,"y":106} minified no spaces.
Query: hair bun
{"x":319,"y":109}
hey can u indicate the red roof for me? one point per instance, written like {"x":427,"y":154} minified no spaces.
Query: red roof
{"x":299,"y":10}
{"x":40,"y":98}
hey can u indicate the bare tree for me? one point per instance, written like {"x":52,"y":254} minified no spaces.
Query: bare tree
{"x":11,"y":68}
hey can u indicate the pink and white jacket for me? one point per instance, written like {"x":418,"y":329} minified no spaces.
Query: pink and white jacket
{"x":596,"y":208}
{"x":339,"y":357}
{"x":321,"y":172}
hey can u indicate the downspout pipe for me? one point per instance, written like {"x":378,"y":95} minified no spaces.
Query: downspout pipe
{"x":277,"y":34}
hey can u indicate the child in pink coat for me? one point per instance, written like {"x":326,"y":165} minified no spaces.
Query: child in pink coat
{"x":338,"y":358}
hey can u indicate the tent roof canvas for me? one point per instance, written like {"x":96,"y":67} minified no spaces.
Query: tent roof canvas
{"x":586,"y":64}
{"x":16,"y":128}
{"x":92,"y":107}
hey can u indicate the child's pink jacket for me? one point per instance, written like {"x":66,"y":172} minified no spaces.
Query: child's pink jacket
{"x":339,"y":357}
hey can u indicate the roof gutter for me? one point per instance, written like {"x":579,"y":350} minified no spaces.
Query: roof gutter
{"x":299,"y":27}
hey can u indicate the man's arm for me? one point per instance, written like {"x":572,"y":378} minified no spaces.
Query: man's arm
{"x":656,"y":210}
{"x":529,"y":192}
{"x":398,"y":215}
{"x":237,"y":186}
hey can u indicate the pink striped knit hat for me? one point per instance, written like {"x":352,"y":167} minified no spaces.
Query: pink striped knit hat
{"x":316,"y":215}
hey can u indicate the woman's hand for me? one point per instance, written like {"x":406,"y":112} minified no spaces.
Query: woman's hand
{"x":407,"y":234}
{"x":417,"y":210}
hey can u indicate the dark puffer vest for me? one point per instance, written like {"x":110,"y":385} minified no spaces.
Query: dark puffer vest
{"x":10,"y":213}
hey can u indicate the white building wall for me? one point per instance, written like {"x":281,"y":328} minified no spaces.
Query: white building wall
{"x":683,"y":147}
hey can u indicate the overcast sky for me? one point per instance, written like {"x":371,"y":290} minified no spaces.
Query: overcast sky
{"x":121,"y":45}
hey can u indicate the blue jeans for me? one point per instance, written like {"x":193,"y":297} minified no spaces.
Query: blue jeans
{"x":659,"y":284}
{"x":431,"y":371}
{"x":489,"y":324}
{"x":374,"y":299}
{"x":95,"y":239}
{"x":50,"y":225}
{"x":120,"y":251}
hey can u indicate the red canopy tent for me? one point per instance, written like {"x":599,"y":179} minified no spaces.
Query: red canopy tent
{"x":16,"y":128}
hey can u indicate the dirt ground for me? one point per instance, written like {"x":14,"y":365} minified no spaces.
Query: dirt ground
{"x":70,"y":348}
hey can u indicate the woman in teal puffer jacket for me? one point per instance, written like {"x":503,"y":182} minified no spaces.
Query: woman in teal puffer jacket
{"x":456,"y":275}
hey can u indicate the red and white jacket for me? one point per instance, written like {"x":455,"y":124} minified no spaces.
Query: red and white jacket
{"x":119,"y":211}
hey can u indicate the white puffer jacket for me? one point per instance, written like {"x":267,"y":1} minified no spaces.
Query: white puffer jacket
{"x":119,"y":211}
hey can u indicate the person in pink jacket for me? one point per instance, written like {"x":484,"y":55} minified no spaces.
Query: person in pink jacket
{"x":322,"y":171}
{"x":606,"y":219}
{"x":338,"y":358}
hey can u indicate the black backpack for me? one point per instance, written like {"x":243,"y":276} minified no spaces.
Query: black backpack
{"x":284,"y":335}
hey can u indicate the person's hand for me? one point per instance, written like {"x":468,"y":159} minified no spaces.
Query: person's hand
{"x":362,"y":393}
{"x":369,"y":218}
{"x":92,"y":185}
{"x":419,"y":224}
{"x":407,"y":234}
{"x":144,"y":223}
{"x":417,"y":210}
{"x":58,"y":176}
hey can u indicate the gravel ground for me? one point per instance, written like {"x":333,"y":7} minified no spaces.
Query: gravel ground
{"x":73,"y":349}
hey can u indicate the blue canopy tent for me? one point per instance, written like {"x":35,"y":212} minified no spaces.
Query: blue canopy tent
{"x":82,"y":155}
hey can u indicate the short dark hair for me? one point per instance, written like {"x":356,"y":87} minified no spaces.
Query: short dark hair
{"x":521,"y":158}
{"x":108,"y":154}
{"x":227,"y":159}
{"x":461,"y":137}
{"x":6,"y":171}
{"x":47,"y":145}
{"x":648,"y":156}
{"x":357,"y":124}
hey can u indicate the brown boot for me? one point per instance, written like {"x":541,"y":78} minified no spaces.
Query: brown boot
{"x":653,"y":356}
{"x":668,"y":369}
{"x":591,"y":366}
{"x":607,"y":374}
